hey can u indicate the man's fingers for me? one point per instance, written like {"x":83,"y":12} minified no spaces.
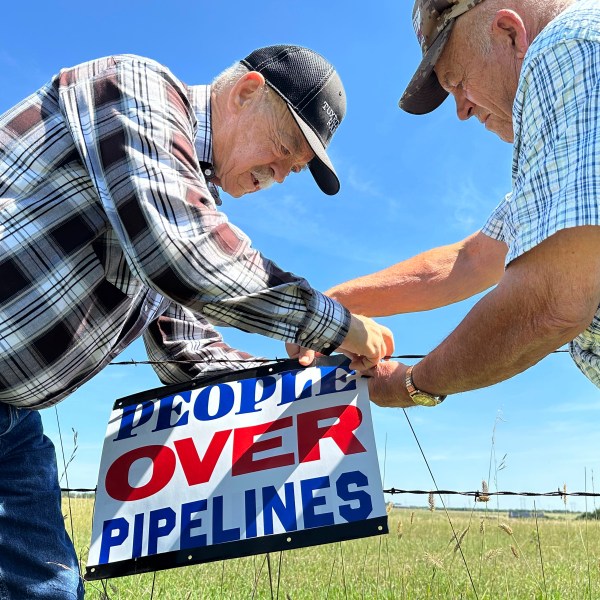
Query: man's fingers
{"x":388,"y":338}
{"x":369,"y":340}
{"x":363,"y":363}
{"x":304,"y":355}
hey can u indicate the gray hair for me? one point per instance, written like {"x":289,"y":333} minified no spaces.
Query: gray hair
{"x":227,"y":78}
{"x":478,"y":19}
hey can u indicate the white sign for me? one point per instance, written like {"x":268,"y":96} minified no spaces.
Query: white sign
{"x":256,"y":461}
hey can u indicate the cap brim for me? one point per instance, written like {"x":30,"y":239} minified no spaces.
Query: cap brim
{"x":424,"y":92}
{"x":320,"y":166}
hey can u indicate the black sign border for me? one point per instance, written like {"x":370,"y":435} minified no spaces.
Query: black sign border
{"x":249,"y":547}
{"x":272,"y":368}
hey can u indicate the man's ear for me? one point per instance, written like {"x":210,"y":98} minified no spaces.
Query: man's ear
{"x":245,"y":90}
{"x":509,"y":27}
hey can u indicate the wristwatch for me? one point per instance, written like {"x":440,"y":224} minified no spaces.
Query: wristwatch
{"x":418,"y":396}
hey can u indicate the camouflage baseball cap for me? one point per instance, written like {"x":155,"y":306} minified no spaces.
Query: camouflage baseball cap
{"x":433,"y":21}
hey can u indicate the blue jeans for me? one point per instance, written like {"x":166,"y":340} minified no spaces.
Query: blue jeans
{"x":37,"y":558}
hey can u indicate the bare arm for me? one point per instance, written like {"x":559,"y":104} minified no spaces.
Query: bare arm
{"x":429,"y":280}
{"x":546,"y":298}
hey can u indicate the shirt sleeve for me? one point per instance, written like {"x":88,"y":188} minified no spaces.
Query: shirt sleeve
{"x":134,"y":128}
{"x":556,"y":163}
{"x":496,"y":224}
{"x":184,"y":346}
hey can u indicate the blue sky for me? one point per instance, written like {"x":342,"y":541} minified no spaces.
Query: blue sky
{"x":408,"y":184}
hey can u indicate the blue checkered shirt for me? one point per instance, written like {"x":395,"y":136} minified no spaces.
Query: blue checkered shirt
{"x":556,"y":159}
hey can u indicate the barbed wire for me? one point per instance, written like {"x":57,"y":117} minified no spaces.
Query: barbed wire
{"x":481,"y":496}
{"x":478,"y":495}
{"x":249,"y":360}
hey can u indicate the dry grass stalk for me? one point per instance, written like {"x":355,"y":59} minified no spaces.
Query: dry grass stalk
{"x":506,"y":528}
{"x":482,"y":525}
{"x":389,"y":507}
{"x":484,"y":496}
{"x":514,"y":550}
{"x":412,"y":517}
{"x":434,"y":560}
{"x":493,"y":553}
{"x":399,"y":532}
{"x":431,"y":501}
{"x":565,"y":495}
{"x":460,"y":539}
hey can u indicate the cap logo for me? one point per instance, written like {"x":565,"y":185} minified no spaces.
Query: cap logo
{"x":334,"y":121}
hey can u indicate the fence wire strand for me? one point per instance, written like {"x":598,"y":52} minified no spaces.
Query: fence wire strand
{"x":478,"y":495}
{"x":132,"y":362}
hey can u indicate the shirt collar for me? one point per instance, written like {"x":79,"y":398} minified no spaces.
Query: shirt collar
{"x":200,"y":98}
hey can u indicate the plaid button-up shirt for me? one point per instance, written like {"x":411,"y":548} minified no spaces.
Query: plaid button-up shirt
{"x":109,"y":230}
{"x":556,"y":160}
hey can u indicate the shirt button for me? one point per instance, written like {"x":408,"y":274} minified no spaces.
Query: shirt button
{"x":303,"y":336}
{"x":326,"y":345}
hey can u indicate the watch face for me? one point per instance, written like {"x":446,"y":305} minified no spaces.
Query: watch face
{"x":422,"y":399}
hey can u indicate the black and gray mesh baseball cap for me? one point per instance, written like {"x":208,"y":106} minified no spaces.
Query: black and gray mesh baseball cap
{"x":314,"y":93}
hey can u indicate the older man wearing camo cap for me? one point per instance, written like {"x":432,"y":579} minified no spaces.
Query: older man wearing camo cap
{"x":528,"y":70}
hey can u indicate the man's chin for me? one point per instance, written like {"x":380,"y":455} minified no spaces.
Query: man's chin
{"x":506,"y":134}
{"x":234,"y":191}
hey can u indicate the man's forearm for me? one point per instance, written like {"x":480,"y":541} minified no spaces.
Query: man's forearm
{"x":498,"y":339}
{"x":546,"y":298}
{"x":435,"y":278}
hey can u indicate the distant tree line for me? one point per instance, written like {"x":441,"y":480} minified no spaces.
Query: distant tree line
{"x":595,"y":515}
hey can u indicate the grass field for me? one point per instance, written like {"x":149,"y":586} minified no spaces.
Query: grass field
{"x":552,"y":558}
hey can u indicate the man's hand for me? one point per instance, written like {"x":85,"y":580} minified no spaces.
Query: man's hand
{"x":386,"y":385}
{"x":365,"y":344}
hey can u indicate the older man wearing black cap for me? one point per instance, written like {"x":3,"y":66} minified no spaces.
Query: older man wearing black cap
{"x":528,"y":70}
{"x":110,"y":231}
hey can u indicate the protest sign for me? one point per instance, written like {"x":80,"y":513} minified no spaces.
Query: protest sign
{"x":254,"y":461}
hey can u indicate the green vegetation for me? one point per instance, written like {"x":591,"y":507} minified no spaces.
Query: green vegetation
{"x":595,"y":515}
{"x":548,"y":559}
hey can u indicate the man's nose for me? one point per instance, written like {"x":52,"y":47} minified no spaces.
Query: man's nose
{"x":281,"y":170}
{"x":464,"y":107}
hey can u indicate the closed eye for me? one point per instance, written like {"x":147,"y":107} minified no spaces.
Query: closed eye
{"x":299,"y":168}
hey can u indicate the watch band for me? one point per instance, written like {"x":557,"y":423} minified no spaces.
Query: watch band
{"x":419,"y":396}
